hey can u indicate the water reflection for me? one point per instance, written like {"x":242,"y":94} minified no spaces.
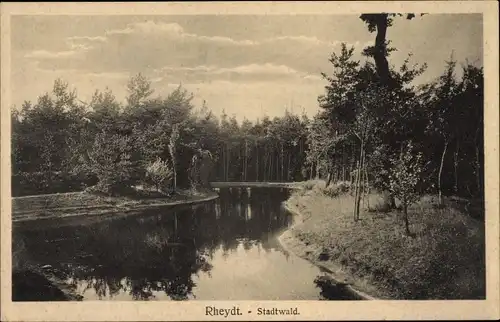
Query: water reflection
{"x":160,"y":254}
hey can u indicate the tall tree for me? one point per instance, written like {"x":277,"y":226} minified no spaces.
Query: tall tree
{"x":379,"y":23}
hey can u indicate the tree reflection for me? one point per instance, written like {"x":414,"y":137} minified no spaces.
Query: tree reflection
{"x":159,"y":251}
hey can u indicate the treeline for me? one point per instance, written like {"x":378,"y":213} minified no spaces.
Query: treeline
{"x":62,"y":144}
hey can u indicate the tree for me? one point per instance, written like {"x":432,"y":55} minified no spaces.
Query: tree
{"x":339,"y":103}
{"x":139,"y":90}
{"x":471,"y":104}
{"x":363,"y":128}
{"x":405,"y":178}
{"x":321,"y":142}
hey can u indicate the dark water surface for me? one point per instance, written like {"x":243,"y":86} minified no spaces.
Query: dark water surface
{"x":223,"y":250}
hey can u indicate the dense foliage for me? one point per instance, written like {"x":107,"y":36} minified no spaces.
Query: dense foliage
{"x":162,"y":142}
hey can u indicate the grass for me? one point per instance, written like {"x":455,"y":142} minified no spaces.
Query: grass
{"x":445,"y":259}
{"x":76,"y":203}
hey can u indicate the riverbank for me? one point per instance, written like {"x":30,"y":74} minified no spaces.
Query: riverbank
{"x":84,"y":204}
{"x":445,"y":259}
{"x":223,"y":184}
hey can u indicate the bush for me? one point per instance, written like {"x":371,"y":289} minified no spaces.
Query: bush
{"x":337,"y":189}
{"x":309,"y":185}
{"x":158,"y":174}
{"x":35,"y":183}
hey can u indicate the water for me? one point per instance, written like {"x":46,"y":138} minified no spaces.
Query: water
{"x":223,"y":250}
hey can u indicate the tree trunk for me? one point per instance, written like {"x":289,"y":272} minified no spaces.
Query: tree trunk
{"x":257,"y":162}
{"x":175,"y":225}
{"x":380,"y":51}
{"x":270,"y":174}
{"x":282,"y":162}
{"x":226,"y":164}
{"x":266,"y":161}
{"x":175,"y":176}
{"x":222,"y":162}
{"x":330,"y":176}
{"x":277,"y":165}
{"x":359,"y":176}
{"x":392,"y":201}
{"x":407,"y":224}
{"x":478,"y":171}
{"x":356,"y":191}
{"x":271,"y":168}
{"x":288,"y":173}
{"x":478,"y":164}
{"x":240,"y":164}
{"x":367,"y":182}
{"x":244,"y":173}
{"x":455,"y":161}
{"x":441,"y":172}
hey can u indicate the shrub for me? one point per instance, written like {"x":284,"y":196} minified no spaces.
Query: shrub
{"x":309,"y":185}
{"x":158,"y":174}
{"x":35,"y":183}
{"x":115,"y":162}
{"x":337,"y":189}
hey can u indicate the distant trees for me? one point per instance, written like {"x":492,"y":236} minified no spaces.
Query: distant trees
{"x":127,"y":145}
{"x":456,"y":119}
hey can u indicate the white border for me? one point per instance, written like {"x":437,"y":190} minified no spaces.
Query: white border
{"x":310,"y":310}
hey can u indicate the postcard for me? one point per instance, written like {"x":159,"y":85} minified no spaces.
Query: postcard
{"x":217,"y":161}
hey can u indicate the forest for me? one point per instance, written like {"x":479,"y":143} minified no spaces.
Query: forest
{"x":375,"y":129}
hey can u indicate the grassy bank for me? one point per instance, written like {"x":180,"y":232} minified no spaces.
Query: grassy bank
{"x":445,"y":259}
{"x":85,"y":203}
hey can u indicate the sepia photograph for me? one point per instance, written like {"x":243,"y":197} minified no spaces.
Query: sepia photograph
{"x":217,"y":158}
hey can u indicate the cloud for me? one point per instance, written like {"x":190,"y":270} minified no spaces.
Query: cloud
{"x":259,"y":69}
{"x":173,"y":30}
{"x":146,"y":46}
{"x":303,"y":39}
{"x":86,"y":38}
{"x":81,"y":73}
{"x":148,"y":27}
{"x":242,"y":73}
{"x":44,"y":54}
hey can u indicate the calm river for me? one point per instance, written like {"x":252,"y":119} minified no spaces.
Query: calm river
{"x":223,"y":250}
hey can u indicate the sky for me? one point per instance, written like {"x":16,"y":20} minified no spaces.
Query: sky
{"x":245,"y":65}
